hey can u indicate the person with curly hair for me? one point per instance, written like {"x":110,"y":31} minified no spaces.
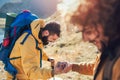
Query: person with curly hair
{"x":99,"y":22}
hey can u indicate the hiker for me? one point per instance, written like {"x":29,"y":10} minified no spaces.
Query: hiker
{"x":28,"y":62}
{"x":99,"y":24}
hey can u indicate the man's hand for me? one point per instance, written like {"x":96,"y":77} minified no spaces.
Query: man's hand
{"x":62,"y":67}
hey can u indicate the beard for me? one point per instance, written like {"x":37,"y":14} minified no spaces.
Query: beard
{"x":45,"y":40}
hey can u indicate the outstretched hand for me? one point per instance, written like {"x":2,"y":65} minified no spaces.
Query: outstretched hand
{"x":62,"y":67}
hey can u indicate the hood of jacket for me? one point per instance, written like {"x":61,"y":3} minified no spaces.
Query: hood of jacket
{"x":36,"y":25}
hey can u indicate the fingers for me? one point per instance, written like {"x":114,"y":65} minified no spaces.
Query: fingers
{"x":63,"y":67}
{"x":67,"y":68}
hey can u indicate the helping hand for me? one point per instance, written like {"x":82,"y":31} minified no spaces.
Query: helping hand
{"x":62,"y":67}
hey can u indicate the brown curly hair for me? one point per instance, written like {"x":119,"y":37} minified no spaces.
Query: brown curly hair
{"x":103,"y":12}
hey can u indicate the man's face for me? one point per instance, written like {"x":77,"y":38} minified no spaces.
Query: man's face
{"x":49,"y":38}
{"x":94,"y":35}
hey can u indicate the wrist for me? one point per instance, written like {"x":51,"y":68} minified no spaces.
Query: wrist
{"x":75,"y":67}
{"x":52,"y":72}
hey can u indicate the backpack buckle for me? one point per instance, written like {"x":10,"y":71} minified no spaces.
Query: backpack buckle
{"x":6,"y":42}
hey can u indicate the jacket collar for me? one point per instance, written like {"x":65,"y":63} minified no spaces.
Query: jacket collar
{"x":36,"y":26}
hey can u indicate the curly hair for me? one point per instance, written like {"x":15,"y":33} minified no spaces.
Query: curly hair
{"x":103,"y":12}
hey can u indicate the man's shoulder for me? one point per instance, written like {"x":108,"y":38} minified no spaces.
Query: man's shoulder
{"x":26,"y":38}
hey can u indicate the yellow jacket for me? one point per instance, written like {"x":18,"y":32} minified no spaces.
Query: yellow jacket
{"x":28,"y":66}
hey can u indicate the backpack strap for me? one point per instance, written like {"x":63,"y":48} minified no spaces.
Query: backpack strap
{"x":29,"y":32}
{"x":108,"y":70}
{"x":40,"y":52}
{"x":14,"y":58}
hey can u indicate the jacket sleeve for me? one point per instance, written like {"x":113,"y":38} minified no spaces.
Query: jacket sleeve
{"x":45,"y":57}
{"x":87,"y":68}
{"x":30,"y":59}
{"x":116,"y":70}
{"x":83,"y":68}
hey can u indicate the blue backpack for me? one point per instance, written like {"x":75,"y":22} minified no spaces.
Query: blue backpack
{"x":20,"y":25}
